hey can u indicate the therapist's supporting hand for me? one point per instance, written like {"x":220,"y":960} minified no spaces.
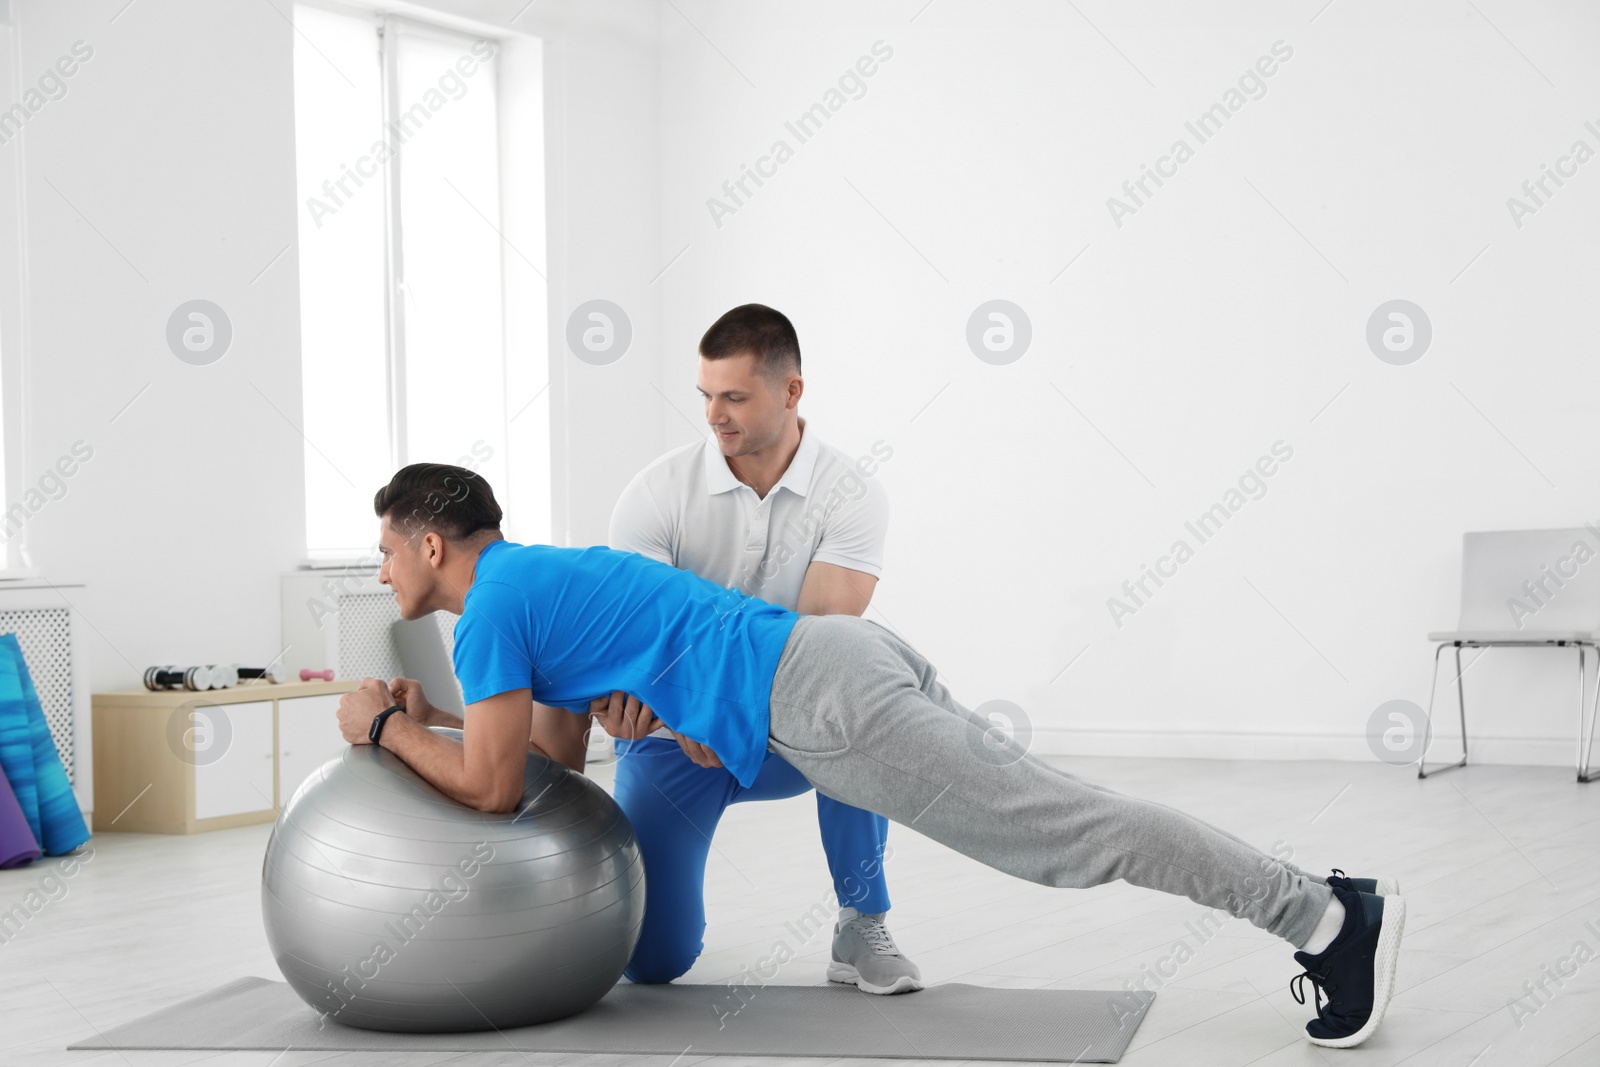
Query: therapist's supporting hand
{"x":624,"y":716}
{"x":700,"y":754}
{"x":359,"y":708}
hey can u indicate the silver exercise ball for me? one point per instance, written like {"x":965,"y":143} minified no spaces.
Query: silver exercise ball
{"x":389,"y":906}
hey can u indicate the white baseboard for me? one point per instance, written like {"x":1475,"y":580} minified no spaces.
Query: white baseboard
{"x":1529,"y":751}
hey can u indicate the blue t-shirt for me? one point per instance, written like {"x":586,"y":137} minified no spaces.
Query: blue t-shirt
{"x":572,"y":624}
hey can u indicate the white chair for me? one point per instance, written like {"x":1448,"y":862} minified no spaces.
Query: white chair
{"x":1525,"y":588}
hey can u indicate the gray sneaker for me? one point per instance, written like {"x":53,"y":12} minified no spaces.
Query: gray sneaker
{"x":865,"y":956}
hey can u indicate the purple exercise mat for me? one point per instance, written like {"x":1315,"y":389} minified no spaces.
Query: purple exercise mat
{"x":17,"y":845}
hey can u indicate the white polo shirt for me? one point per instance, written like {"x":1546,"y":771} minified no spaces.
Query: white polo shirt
{"x":688,"y":509}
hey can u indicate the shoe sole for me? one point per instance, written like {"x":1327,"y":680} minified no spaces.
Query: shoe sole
{"x":845,"y":974}
{"x":1384,"y":959}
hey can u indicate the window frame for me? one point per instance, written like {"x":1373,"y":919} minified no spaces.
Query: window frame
{"x":388,"y":27}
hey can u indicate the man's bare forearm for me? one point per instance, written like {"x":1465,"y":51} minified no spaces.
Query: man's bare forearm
{"x":568,"y":746}
{"x":439,"y":759}
{"x":439,"y":717}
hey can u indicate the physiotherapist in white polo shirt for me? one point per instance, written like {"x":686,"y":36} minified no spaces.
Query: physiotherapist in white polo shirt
{"x":762,"y":506}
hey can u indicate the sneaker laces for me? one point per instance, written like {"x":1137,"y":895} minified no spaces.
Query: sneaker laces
{"x":876,"y":935}
{"x":1297,"y":988}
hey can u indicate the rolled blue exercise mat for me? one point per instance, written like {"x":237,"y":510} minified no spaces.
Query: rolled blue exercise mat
{"x":16,"y":747}
{"x":17,"y":843}
{"x":29,"y":760}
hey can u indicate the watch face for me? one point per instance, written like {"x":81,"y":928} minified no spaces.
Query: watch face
{"x":377,"y":723}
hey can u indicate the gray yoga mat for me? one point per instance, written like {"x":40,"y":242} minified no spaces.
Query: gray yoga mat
{"x":960,"y":1022}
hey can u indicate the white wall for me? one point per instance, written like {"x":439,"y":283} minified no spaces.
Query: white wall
{"x":1222,"y":317}
{"x":165,"y":174}
{"x":603,"y":172}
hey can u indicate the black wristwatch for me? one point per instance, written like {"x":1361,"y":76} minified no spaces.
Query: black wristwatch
{"x":379,"y":719}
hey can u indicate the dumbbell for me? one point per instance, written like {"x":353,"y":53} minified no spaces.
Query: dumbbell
{"x":307,"y":675}
{"x":191,"y":678}
{"x":271,"y":674}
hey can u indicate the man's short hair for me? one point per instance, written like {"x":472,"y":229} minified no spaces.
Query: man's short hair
{"x":760,"y":331}
{"x":449,"y":500}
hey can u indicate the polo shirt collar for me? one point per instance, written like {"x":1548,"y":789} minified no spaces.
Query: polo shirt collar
{"x":797,"y":478}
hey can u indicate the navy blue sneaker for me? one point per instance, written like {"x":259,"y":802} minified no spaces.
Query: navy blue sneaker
{"x":1381,"y":887}
{"x":1356,"y":971}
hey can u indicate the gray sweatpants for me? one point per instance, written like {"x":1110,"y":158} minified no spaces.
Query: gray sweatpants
{"x":861,"y":714}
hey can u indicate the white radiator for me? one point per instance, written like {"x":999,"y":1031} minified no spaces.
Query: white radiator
{"x":342,"y":620}
{"x":41,"y":617}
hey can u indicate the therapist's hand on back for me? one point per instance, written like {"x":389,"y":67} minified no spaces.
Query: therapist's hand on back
{"x":625,"y":716}
{"x":697,"y":752}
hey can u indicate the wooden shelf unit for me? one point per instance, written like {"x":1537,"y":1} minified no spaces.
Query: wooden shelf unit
{"x":180,"y":762}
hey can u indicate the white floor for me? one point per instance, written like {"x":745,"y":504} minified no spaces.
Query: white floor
{"x":1500,"y":867}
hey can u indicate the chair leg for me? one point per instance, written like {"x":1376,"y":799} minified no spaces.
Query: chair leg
{"x":1422,"y":766}
{"x":1433,"y":688}
{"x":1583,"y":745}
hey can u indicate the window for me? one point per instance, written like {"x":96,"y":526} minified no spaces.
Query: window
{"x":402,"y":302}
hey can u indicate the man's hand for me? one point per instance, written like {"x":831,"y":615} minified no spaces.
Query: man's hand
{"x":358,"y":709}
{"x":700,"y":754}
{"x":624,"y":716}
{"x":408,"y":691}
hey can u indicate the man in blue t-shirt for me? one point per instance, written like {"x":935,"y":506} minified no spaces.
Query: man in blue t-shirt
{"x":855,"y":709}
